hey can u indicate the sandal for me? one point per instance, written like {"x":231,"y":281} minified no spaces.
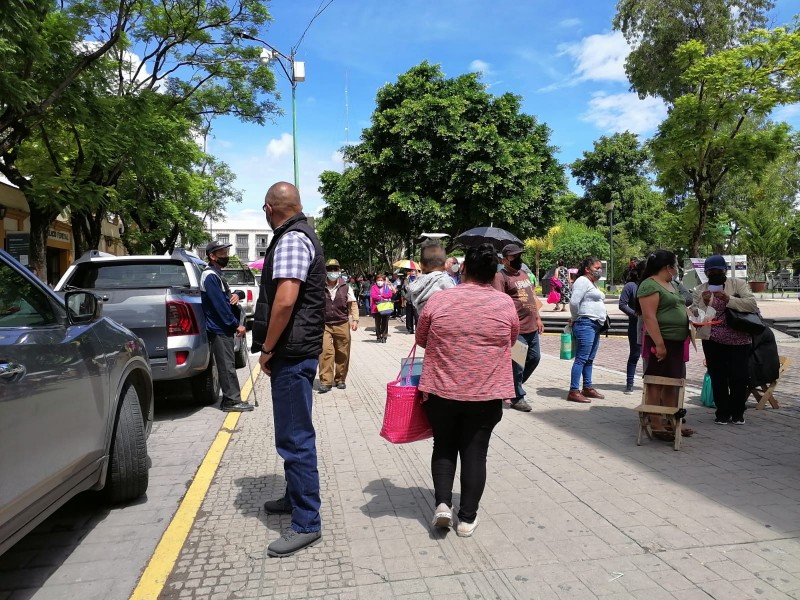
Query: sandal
{"x":664,"y":435}
{"x":685,"y":431}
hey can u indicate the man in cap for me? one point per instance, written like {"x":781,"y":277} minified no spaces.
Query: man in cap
{"x":287,"y":329}
{"x":513,"y":281}
{"x":341,"y":315}
{"x":222,"y":312}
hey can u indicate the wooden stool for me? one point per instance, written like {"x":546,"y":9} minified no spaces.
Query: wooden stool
{"x":763,"y":393}
{"x":673,"y":414}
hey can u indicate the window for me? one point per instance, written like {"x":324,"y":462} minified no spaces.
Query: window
{"x":22,"y":303}
{"x":129,"y":275}
{"x":242,"y":253}
{"x":242,"y":239}
{"x":262,"y":240}
{"x":223,"y":238}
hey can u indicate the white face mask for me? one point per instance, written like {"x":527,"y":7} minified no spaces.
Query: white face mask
{"x":334,"y":275}
{"x":455,"y":268}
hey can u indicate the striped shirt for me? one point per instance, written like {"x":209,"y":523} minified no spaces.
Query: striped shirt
{"x":293,"y":256}
{"x":467,"y":332}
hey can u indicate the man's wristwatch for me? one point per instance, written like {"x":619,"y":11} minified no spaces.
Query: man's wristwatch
{"x":268,"y":352}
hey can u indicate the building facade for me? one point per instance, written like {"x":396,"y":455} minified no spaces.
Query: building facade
{"x":249,"y":241}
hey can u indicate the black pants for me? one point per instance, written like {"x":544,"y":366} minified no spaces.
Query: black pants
{"x":635,"y":351}
{"x":381,"y":325}
{"x":411,"y":317}
{"x":727,"y":367}
{"x":461,"y":428}
{"x":222,"y":348}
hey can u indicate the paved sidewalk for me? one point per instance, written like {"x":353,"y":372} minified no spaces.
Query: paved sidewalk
{"x":573,"y":508}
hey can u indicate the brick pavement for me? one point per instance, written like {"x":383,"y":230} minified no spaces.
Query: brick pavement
{"x":573,"y":508}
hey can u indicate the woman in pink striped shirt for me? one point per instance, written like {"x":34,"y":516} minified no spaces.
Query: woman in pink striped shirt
{"x":467,"y":332}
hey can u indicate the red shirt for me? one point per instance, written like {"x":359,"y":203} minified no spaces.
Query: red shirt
{"x":522,"y":292}
{"x":467,"y":332}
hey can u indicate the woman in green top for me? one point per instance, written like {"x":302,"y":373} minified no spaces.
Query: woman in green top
{"x":666,"y":328}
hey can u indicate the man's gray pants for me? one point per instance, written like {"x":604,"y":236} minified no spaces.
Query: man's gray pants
{"x":222,"y":349}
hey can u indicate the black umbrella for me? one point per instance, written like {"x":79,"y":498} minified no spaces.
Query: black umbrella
{"x":487,"y":235}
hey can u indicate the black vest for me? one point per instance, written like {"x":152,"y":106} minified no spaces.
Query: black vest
{"x":302,"y":337}
{"x":336,"y":310}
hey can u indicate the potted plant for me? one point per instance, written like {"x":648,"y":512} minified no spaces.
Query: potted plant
{"x":764,"y":236}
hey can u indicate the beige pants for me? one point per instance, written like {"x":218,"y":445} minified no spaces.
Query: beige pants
{"x":335,"y":354}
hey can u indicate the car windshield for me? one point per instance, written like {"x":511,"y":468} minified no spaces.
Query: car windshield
{"x":129,"y":275}
{"x":239,"y":277}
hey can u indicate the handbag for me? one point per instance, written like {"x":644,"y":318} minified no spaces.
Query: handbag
{"x":707,"y":395}
{"x":605,"y":326}
{"x":554,"y":297}
{"x":745,"y":322}
{"x":404,"y":418}
{"x":567,"y":344}
{"x":384,"y":307}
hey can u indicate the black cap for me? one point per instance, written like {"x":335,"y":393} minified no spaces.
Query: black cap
{"x":215,"y":245}
{"x":511,"y":249}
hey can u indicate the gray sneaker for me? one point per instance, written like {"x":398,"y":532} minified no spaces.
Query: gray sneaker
{"x":291,"y":542}
{"x":324,"y":389}
{"x":281,"y":506}
{"x":522,"y":405}
{"x":341,"y":386}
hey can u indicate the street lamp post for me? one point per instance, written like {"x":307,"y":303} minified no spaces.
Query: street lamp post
{"x":298,"y":74}
{"x":610,"y":208}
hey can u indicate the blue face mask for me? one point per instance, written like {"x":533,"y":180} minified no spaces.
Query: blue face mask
{"x":412,"y":277}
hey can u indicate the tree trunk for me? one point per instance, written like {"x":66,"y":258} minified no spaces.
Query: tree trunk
{"x":703,"y":203}
{"x":40,"y":222}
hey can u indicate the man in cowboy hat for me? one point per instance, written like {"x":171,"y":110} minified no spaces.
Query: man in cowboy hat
{"x":341,"y":316}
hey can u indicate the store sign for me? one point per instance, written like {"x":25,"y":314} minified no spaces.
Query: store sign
{"x":18,"y":245}
{"x":58,"y":236}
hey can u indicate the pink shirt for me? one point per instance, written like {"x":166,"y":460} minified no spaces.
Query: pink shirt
{"x":467,"y":332}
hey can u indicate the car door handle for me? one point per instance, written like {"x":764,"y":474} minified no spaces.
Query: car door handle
{"x":11,"y":372}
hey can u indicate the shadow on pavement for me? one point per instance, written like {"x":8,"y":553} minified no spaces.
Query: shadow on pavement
{"x":404,"y":503}
{"x":174,"y":400}
{"x":254,"y":491}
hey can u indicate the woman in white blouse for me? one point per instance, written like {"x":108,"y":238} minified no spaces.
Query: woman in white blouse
{"x":588,"y":309}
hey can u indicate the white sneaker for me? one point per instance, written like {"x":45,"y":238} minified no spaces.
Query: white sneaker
{"x":443,"y":517}
{"x":466,"y":529}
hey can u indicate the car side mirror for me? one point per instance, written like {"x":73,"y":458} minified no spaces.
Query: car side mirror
{"x":240,"y":293}
{"x":82,"y":307}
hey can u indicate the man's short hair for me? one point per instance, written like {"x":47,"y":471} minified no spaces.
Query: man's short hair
{"x":432,"y":255}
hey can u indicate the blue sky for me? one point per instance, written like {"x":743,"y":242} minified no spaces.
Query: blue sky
{"x":561,"y":57}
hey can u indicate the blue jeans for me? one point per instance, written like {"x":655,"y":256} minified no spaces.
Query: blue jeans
{"x":521,"y":374}
{"x":295,"y":438}
{"x":587,"y":339}
{"x":635,"y":350}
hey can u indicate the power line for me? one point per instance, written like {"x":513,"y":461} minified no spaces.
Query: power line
{"x":320,"y":9}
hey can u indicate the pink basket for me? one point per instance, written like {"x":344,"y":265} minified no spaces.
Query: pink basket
{"x":404,"y":419}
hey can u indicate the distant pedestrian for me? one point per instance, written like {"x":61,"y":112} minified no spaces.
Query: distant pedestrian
{"x":511,"y":280}
{"x":465,"y":377}
{"x":410,"y":313}
{"x":287,"y":330}
{"x":382,"y":291}
{"x":565,"y":290}
{"x":588,"y":309}
{"x":453,"y":268}
{"x":222,"y":313}
{"x":432,"y":258}
{"x":364,"y":286}
{"x":341,"y":317}
{"x":629,"y":305}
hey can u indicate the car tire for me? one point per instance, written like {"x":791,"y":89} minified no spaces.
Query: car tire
{"x":206,"y":386}
{"x":127,"y":475}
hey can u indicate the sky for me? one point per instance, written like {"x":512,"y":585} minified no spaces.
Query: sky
{"x":562,"y":58}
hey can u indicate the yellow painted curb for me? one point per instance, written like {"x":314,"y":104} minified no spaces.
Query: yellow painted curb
{"x":166,"y":554}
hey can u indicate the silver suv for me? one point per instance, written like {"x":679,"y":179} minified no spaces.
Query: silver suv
{"x":76,"y":402}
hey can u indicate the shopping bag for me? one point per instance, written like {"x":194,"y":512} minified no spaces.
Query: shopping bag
{"x":567,"y":344}
{"x":707,"y":395}
{"x":385,"y":308}
{"x":554,"y":297}
{"x":404,"y":419}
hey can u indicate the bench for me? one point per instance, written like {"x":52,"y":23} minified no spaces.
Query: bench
{"x":673,"y":414}
{"x":786,"y":283}
{"x":764,"y":393}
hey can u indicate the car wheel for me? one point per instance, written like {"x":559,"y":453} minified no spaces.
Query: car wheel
{"x":206,"y":387}
{"x":127,"y":475}
{"x":240,"y":358}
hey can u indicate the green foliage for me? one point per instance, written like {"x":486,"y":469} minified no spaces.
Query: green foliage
{"x":445,"y":155}
{"x":719,"y":129}
{"x":574,"y":242}
{"x":656,"y":28}
{"x":764,"y":235}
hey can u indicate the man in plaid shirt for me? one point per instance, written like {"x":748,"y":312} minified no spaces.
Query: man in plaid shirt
{"x":287,"y":330}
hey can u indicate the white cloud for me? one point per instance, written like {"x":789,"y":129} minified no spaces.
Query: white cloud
{"x":569,"y":23}
{"x":624,"y":112}
{"x":280,"y":147}
{"x":337,"y":157}
{"x":480,"y":66}
{"x":599,"y":57}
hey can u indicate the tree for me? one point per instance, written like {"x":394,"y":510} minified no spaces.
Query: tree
{"x":656,"y":28}
{"x":445,"y":155}
{"x":720,"y":128}
{"x":538,"y":245}
{"x":574,"y":242}
{"x":764,"y":235}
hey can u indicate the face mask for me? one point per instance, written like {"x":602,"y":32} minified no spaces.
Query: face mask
{"x":379,"y":283}
{"x":455,"y":268}
{"x":412,"y":277}
{"x":516,"y":263}
{"x":334,"y":275}
{"x":595,"y":273}
{"x":222,"y":261}
{"x":717,"y":279}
